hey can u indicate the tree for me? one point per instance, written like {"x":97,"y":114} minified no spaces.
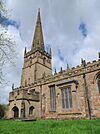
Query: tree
{"x":7,"y":43}
{"x":2,"y":110}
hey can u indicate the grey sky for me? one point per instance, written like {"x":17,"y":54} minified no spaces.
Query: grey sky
{"x":61,"y":21}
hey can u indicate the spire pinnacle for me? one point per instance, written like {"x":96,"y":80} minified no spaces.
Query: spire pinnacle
{"x":38,"y":41}
{"x":99,"y":55}
{"x":25,"y":51}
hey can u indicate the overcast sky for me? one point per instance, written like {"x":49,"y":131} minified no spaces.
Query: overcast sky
{"x":70,"y":27}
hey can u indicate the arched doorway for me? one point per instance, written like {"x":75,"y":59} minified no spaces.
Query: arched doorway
{"x":16,"y":112}
{"x":31,"y":111}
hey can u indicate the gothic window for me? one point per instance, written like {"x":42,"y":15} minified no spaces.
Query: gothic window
{"x":98,"y":82}
{"x":31,"y":110}
{"x":52,"y":98}
{"x":66,"y":98}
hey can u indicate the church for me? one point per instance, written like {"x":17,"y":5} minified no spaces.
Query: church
{"x":73,"y":93}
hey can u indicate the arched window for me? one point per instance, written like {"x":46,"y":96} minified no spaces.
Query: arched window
{"x":31,"y":110}
{"x":98,"y":82}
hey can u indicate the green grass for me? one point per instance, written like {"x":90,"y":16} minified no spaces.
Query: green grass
{"x":50,"y":127}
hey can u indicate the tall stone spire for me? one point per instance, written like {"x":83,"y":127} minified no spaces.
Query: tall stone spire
{"x":38,"y":42}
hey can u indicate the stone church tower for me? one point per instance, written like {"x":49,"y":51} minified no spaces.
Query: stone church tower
{"x":37,"y":62}
{"x":71,"y":93}
{"x":37,"y":65}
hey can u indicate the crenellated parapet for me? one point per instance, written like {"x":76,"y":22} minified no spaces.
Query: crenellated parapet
{"x":72,"y":72}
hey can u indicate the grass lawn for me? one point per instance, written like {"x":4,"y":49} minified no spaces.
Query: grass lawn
{"x":50,"y":127}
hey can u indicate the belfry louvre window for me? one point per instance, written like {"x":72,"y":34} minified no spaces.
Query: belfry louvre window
{"x":52,"y":98}
{"x":66,"y":98}
{"x":98,"y":83}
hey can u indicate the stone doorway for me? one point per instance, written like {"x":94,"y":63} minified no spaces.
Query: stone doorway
{"x":16,"y":112}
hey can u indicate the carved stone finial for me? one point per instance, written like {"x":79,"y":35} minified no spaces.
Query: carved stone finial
{"x":99,"y":55}
{"x":50,"y":52}
{"x":25,"y":51}
{"x":38,"y":9}
{"x":61,"y":69}
{"x":13,"y":86}
{"x":55,"y":71}
{"x":67,"y":66}
{"x":83,"y":62}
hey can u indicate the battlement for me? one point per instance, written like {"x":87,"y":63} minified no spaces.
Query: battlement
{"x":72,"y":72}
